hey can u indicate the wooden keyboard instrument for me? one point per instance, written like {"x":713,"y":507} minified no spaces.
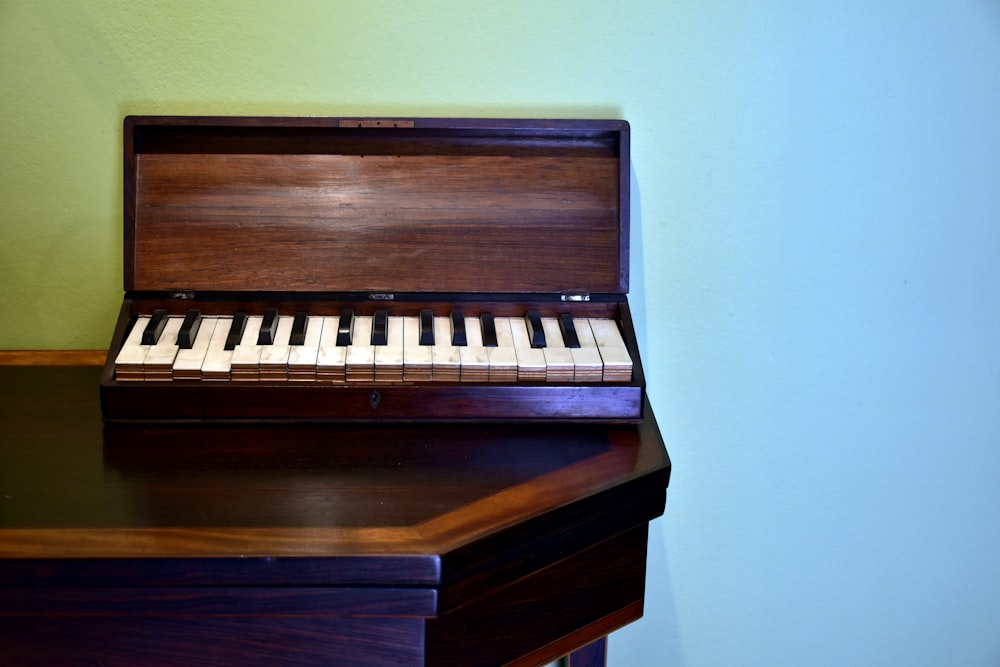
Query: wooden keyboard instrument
{"x":332,"y":269}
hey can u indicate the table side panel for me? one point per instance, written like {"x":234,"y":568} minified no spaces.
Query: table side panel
{"x":537,"y":614}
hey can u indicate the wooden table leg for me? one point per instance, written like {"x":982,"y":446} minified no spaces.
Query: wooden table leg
{"x":594,"y":654}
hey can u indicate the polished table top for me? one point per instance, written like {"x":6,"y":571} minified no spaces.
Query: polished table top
{"x":437,"y":514}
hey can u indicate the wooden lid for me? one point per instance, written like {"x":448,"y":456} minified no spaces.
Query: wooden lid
{"x":386,"y":206}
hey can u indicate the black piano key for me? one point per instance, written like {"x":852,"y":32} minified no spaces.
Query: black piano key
{"x":151,"y":334}
{"x":189,"y":329}
{"x":458,"y":336}
{"x":380,"y":328}
{"x":426,"y":326}
{"x":568,"y":330}
{"x":236,"y":331}
{"x":299,"y":324}
{"x":489,"y":327}
{"x":268,"y":327}
{"x":345,"y":329}
{"x":535,"y":332}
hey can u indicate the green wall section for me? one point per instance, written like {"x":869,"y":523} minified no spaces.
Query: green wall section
{"x":815,"y":242}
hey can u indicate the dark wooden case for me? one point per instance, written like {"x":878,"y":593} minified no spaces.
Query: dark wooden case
{"x":317,"y":214}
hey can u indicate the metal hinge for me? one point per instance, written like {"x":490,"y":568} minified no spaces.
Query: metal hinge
{"x":575,"y":295}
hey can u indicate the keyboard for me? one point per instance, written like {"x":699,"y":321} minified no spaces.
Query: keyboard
{"x":375,"y":348}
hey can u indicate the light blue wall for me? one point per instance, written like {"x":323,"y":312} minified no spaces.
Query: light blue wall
{"x":816,"y":233}
{"x":820,"y":217}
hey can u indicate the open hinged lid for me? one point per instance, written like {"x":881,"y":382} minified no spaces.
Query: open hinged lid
{"x":382,"y":206}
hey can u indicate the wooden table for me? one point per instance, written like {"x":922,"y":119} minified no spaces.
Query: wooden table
{"x":313,"y":545}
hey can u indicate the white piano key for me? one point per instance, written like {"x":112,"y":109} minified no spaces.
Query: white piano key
{"x":530,"y":361}
{"x":252,"y":331}
{"x":616,"y":359}
{"x":418,"y":362}
{"x":389,"y":357}
{"x":360,"y":360}
{"x":274,"y":357}
{"x":558,"y":358}
{"x":502,"y":358}
{"x":303,"y":359}
{"x":188,"y":363}
{"x":245,"y":365}
{"x":606,"y":333}
{"x":553,"y":335}
{"x":473,"y":332}
{"x":587,"y":363}
{"x":617,"y":364}
{"x":331,"y":359}
{"x":475,"y":363}
{"x":585,"y":333}
{"x":159,"y":361}
{"x":446,"y":358}
{"x":218,"y":359}
{"x":128,"y":362}
{"x":473,"y":357}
